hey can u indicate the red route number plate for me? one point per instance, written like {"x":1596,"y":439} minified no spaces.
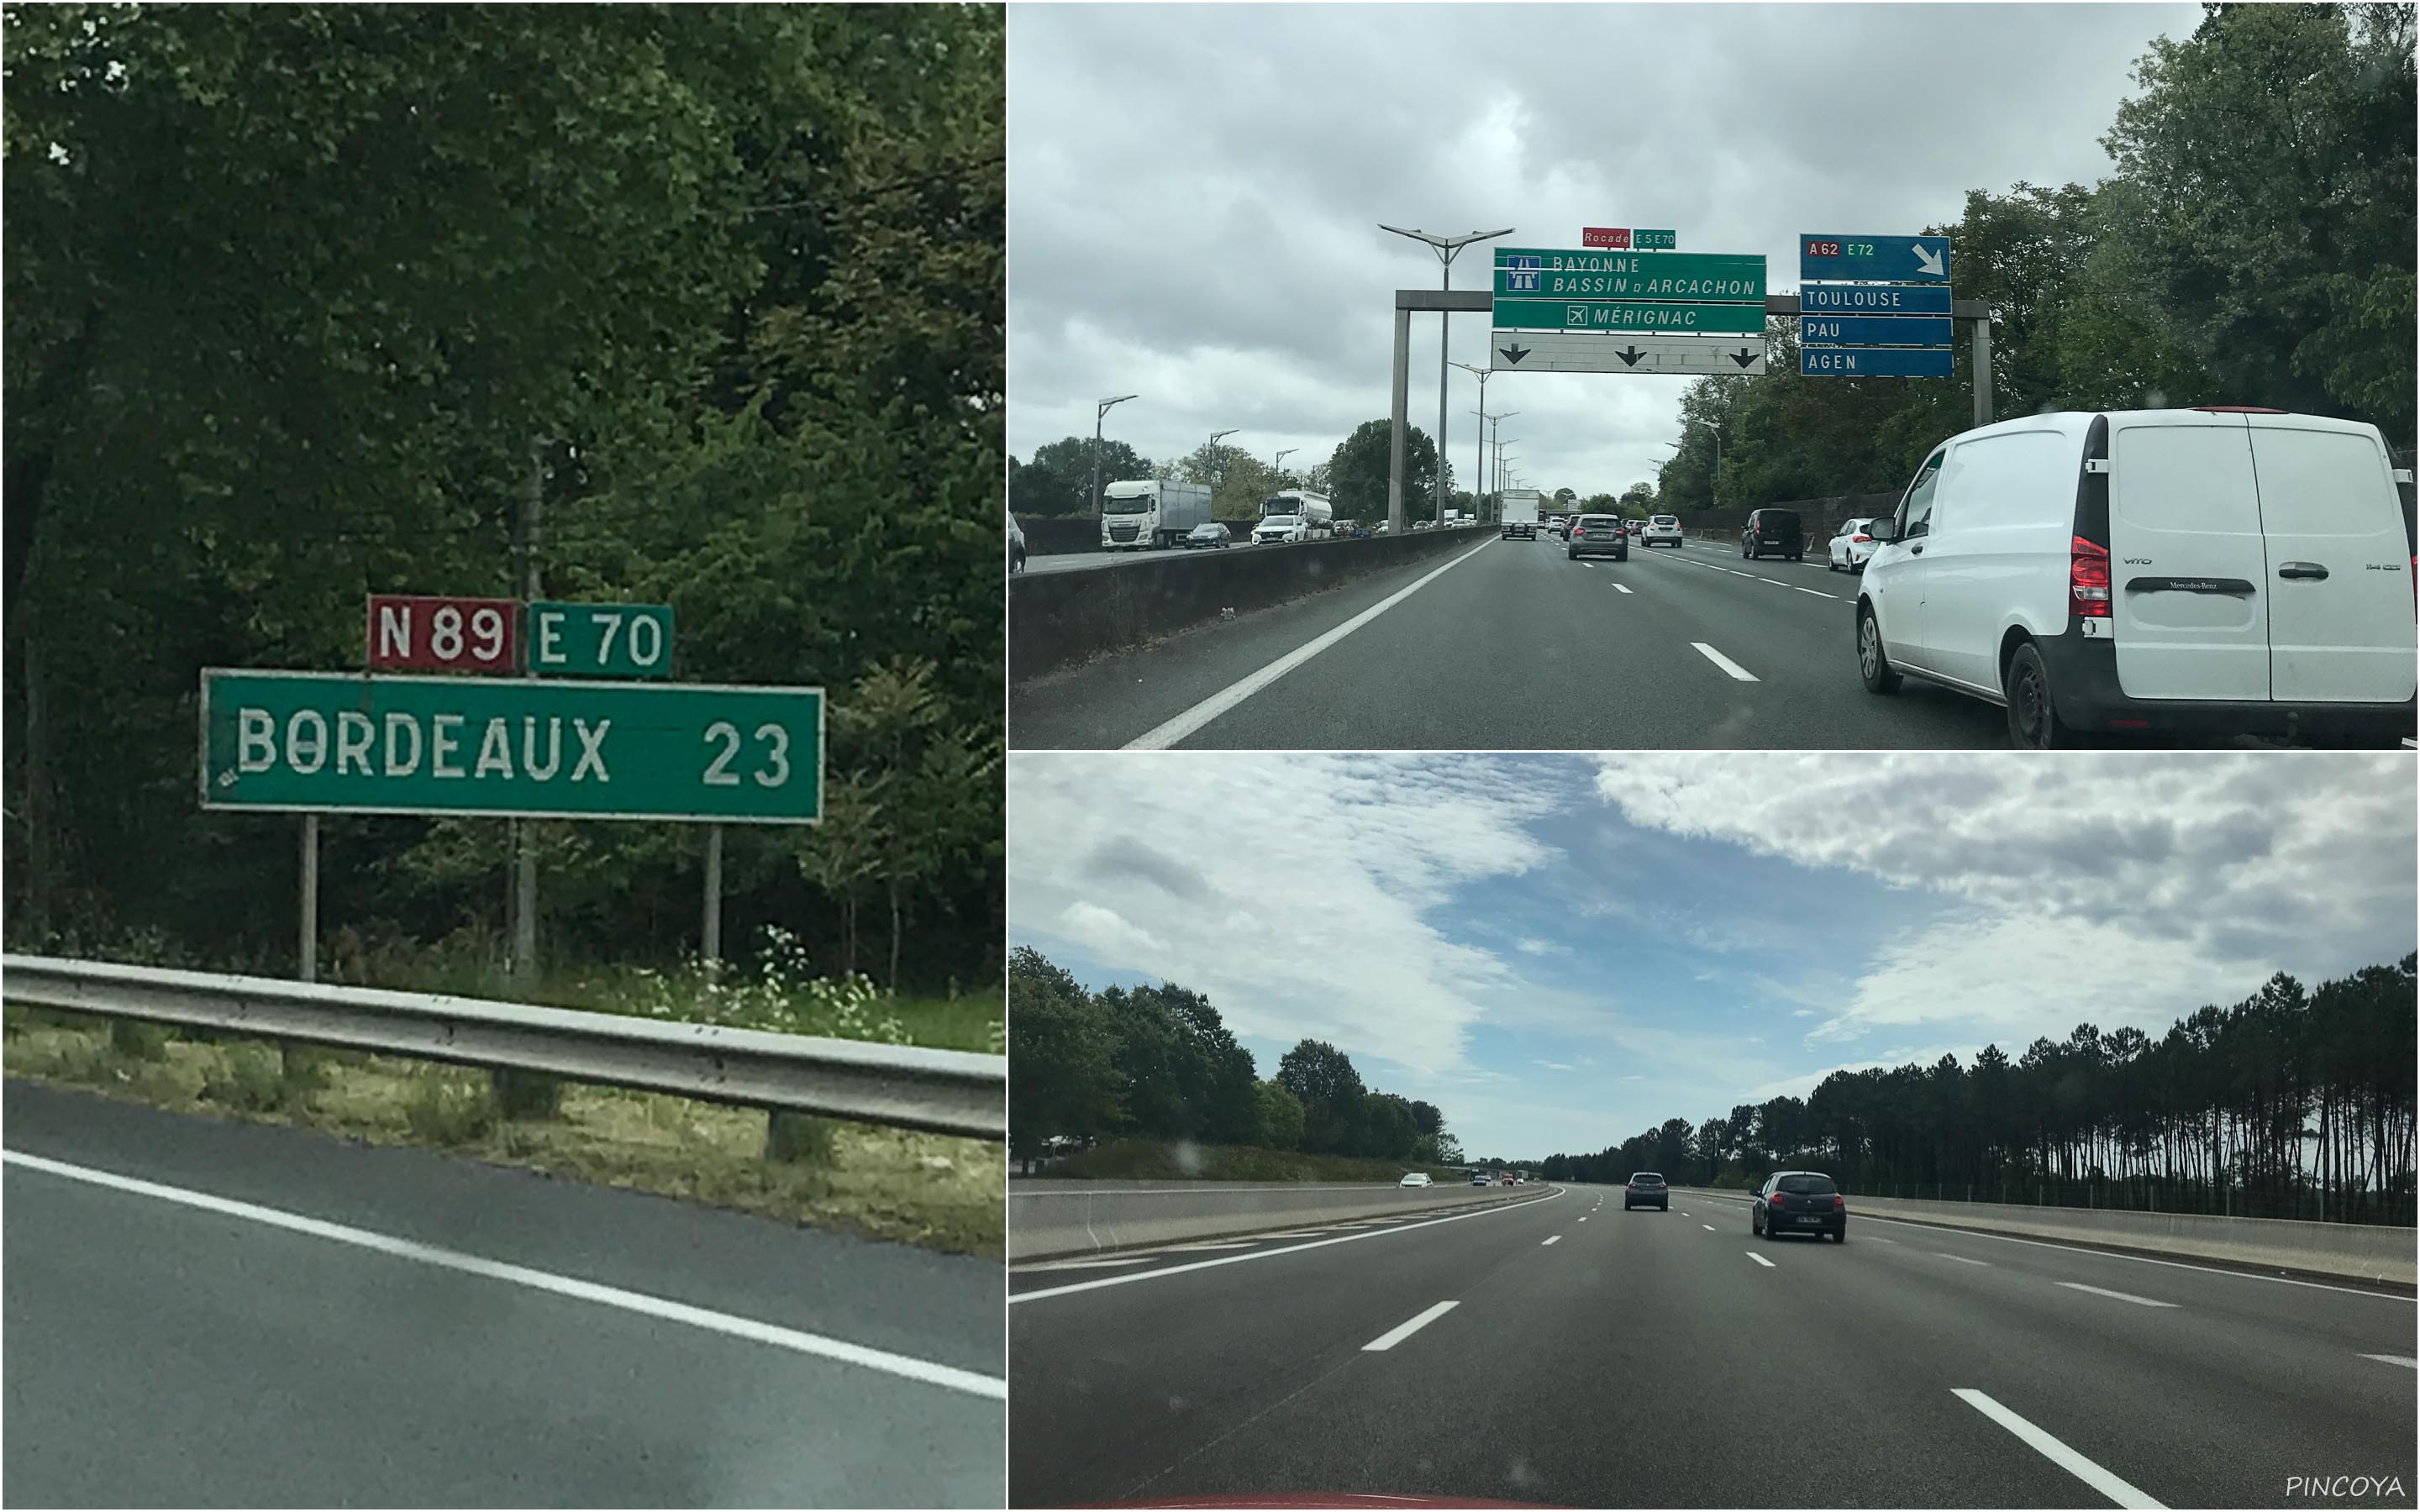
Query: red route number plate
{"x":410,"y":632}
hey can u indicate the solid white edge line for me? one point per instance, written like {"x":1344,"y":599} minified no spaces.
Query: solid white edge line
{"x":1406,"y":1330}
{"x":2055,"y":1452}
{"x":2104,"y":1291}
{"x":1043,"y":1292}
{"x":2117,"y":1255}
{"x":2404,"y":1360}
{"x":1163,"y":736}
{"x":974,"y":1384}
{"x":1734,"y":668}
{"x":1760,"y":1260}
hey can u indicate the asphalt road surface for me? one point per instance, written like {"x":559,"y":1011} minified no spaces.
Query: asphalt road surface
{"x":212,"y":1314}
{"x":1560,"y":1352}
{"x":1086,"y":561}
{"x":1508,"y":645}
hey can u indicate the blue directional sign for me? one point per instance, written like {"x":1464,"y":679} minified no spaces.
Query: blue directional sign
{"x":1873,"y":330}
{"x":1875,"y":259}
{"x":1872,"y":299}
{"x":1866,"y":361}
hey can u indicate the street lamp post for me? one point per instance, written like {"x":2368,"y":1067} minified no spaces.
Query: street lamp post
{"x":1478,"y":455}
{"x":1213,"y":459}
{"x":1444,"y":247}
{"x":1278,"y":463}
{"x":1107,"y":405}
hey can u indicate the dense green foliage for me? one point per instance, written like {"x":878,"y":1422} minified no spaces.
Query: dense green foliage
{"x":2254,"y":243}
{"x":1059,"y":478}
{"x":1157,"y":1063}
{"x":298,"y":300}
{"x":1353,"y":476}
{"x":2286,"y":1104}
{"x":1142,"y":1160}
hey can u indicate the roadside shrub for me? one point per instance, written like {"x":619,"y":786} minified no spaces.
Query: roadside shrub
{"x":450,"y":1107}
{"x":250,"y":1077}
{"x":138,"y":1040}
{"x":528,"y":1094}
{"x":800,"y":1139}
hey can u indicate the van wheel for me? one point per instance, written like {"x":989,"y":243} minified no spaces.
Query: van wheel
{"x":1873,"y":663}
{"x":2034,"y":723}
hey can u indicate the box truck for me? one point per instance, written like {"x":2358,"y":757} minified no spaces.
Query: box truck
{"x":1520,"y":514}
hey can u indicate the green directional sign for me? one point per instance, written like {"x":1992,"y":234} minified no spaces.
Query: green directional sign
{"x":599,"y":640}
{"x":1530,"y":272}
{"x":350,"y":743}
{"x":1652,"y":240}
{"x":1628,"y":315}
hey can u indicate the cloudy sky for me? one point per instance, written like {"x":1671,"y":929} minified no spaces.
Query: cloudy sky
{"x":1194,"y":192}
{"x":1562,"y":950}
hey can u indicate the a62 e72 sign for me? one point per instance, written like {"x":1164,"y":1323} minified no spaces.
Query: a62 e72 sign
{"x":415,"y":632}
{"x":341,"y":741}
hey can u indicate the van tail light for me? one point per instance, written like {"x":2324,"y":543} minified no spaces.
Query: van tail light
{"x":2088,"y":577}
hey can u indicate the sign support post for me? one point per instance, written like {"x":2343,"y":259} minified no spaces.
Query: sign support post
{"x":1981,"y":326}
{"x":711,"y":932}
{"x":309,"y":951}
{"x":1400,"y":418}
{"x":523,"y":835}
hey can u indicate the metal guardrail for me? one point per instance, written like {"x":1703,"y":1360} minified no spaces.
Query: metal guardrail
{"x":941,"y":1091}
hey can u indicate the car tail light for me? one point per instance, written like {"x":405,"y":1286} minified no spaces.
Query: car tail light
{"x":2088,"y":578}
{"x":1860,"y":537}
{"x":1838,"y":1202}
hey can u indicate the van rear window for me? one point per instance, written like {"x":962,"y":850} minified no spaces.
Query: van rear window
{"x":2323,"y":482}
{"x":2182,"y":478}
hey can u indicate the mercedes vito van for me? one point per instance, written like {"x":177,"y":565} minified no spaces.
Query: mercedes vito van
{"x":2223,"y":569}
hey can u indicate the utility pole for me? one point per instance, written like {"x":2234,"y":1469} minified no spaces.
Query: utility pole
{"x":1106,"y":405}
{"x":1446,"y":248}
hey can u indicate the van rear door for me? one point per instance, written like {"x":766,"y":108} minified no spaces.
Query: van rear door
{"x":2188,"y":564}
{"x":2340,"y":585}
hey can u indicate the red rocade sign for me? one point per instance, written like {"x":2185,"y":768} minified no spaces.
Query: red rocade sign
{"x":409,"y":632}
{"x":1617,"y":238}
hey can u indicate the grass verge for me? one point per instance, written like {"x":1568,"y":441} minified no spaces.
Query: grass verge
{"x":931,"y":1190}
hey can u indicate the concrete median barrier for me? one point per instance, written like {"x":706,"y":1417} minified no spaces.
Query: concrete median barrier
{"x":1058,"y":619}
{"x":2353,"y":1251}
{"x":1047,"y":1219}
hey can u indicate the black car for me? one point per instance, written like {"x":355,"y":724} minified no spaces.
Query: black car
{"x":1210,"y":535}
{"x":1799,"y":1202}
{"x":1776,"y":531}
{"x":1646,"y":1189}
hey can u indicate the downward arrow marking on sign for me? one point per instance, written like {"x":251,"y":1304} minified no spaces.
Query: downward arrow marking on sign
{"x":1514,"y":353}
{"x":1744,"y":356}
{"x":1929,"y":260}
{"x":1631,"y":357}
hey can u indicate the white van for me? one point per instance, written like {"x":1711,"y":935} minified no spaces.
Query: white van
{"x":2223,"y":569}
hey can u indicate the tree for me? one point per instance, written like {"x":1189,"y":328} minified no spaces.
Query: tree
{"x":1357,"y":473}
{"x":1639,"y":497}
{"x":1279,"y":1125}
{"x":1058,"y":479}
{"x":1059,"y":1044}
{"x":1322,"y":1077}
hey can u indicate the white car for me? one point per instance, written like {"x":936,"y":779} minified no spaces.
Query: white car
{"x":1853,"y":548}
{"x":1662,"y":529}
{"x":1015,"y":546}
{"x":2223,"y":569}
{"x":1415,"y":1179}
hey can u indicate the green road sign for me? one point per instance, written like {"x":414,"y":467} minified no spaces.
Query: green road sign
{"x":599,"y":640}
{"x":1628,"y":315}
{"x":1528,"y":273}
{"x":1653,"y":241}
{"x":348,"y":743}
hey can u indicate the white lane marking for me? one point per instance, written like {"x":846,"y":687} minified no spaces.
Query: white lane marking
{"x":1759,"y":1259}
{"x":1166,"y":734}
{"x":2404,"y":1360}
{"x":972,"y":1383}
{"x":1232,"y":1244}
{"x":1077,"y":1265}
{"x":2055,"y":1452}
{"x":1724,"y":662}
{"x":1583,"y":1217}
{"x":2104,"y":1291}
{"x":1554,"y":1239}
{"x":1817,"y":591}
{"x":1960,"y":1258}
{"x":1041,"y":1293}
{"x":1708,"y":1227}
{"x":1406,"y":1330}
{"x":1622,"y":588}
{"x":2113,"y":1255}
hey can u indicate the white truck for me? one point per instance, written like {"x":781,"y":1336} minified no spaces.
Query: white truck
{"x":1146,"y":512}
{"x":1294,"y":515}
{"x":1520,"y":514}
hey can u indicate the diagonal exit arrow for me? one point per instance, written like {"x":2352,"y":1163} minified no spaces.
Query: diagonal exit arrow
{"x":1515,"y":352}
{"x":1927,"y":258}
{"x":1744,"y":356}
{"x":1632,"y":356}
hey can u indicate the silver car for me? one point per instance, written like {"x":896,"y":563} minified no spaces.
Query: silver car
{"x":1662,"y":529}
{"x":1598,"y":535}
